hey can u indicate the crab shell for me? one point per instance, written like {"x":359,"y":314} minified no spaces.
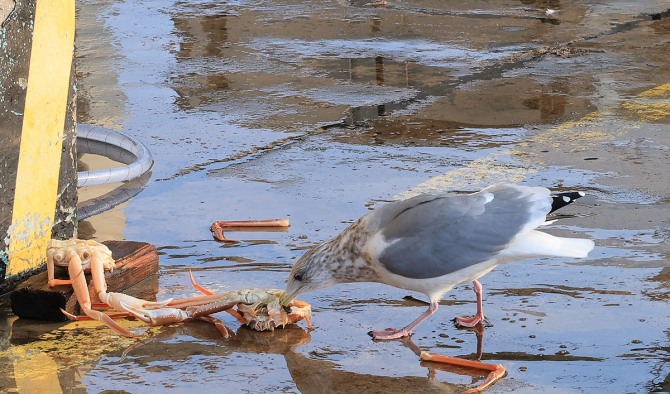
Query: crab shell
{"x":59,"y":251}
{"x":267,"y":317}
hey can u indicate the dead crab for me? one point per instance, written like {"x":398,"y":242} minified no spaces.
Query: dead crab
{"x":79,"y":255}
{"x":259,"y":309}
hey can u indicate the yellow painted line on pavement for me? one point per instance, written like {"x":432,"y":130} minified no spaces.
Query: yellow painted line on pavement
{"x":650,"y":106}
{"x":646,"y":112}
{"x":42,"y":134}
{"x":660,"y":92}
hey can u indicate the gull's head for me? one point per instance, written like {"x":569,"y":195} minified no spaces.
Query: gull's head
{"x":312,"y":272}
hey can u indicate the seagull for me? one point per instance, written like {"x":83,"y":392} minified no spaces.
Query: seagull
{"x":433,"y":242}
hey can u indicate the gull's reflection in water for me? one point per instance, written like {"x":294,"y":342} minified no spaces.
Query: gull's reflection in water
{"x":319,"y":376}
{"x":76,"y":352}
{"x":309,"y":375}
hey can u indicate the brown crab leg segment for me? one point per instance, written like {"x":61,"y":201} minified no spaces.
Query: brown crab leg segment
{"x":205,"y":291}
{"x":218,"y":305}
{"x":495,"y":371}
{"x":218,"y":324}
{"x":184,"y":310}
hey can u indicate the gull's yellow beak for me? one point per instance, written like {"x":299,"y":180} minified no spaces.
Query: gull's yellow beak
{"x":285,"y":298}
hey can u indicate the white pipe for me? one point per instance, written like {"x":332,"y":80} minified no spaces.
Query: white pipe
{"x":115,"y":146}
{"x":107,"y":201}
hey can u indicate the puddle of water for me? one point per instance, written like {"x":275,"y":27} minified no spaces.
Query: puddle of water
{"x":237,"y":102}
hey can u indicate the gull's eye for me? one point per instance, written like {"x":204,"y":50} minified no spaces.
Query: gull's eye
{"x":297,"y":277}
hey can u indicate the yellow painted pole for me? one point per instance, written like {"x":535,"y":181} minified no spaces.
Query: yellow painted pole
{"x":42,"y":134}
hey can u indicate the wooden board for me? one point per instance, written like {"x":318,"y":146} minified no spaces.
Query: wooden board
{"x":135,"y":262}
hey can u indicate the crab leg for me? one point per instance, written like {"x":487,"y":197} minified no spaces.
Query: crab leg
{"x":218,"y":226}
{"x":52,"y":257}
{"x":218,"y":324}
{"x":80,"y":287}
{"x":114,"y":299}
{"x":197,"y":285}
{"x":232,"y":311}
{"x":78,"y":282}
{"x":281,"y":222}
{"x":193,"y":308}
{"x":495,"y":371}
{"x":117,"y":315}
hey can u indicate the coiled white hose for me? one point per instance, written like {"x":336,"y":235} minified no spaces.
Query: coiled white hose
{"x":117,"y":147}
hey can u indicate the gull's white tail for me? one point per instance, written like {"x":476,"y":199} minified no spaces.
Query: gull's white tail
{"x":538,"y":244}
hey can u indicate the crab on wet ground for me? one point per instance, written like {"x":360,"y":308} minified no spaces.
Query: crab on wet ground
{"x":87,"y":255}
{"x":260,"y":309}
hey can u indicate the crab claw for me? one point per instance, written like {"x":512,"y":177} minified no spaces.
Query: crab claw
{"x":495,"y":371}
{"x":300,"y":310}
{"x":156,"y":317}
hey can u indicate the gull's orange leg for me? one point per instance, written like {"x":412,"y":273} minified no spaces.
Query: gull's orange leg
{"x":392,"y":333}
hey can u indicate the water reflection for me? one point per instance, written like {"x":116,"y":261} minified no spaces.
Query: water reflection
{"x":268,"y":67}
{"x":43,"y":357}
{"x":548,"y":9}
{"x":202,"y":37}
{"x":319,"y":376}
{"x":286,"y":66}
{"x":488,"y":116}
{"x":86,"y":356}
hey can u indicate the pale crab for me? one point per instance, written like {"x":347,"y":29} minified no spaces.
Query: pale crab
{"x":260,"y":309}
{"x":79,"y":255}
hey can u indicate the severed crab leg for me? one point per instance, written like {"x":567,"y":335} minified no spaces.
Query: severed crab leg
{"x":495,"y":371}
{"x":218,"y":226}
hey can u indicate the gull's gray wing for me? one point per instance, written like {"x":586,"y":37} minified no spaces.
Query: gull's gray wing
{"x":433,"y":235}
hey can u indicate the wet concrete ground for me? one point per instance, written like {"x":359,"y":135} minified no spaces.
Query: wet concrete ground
{"x":318,"y":111}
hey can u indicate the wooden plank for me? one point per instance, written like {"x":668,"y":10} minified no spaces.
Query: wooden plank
{"x":135,"y":262}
